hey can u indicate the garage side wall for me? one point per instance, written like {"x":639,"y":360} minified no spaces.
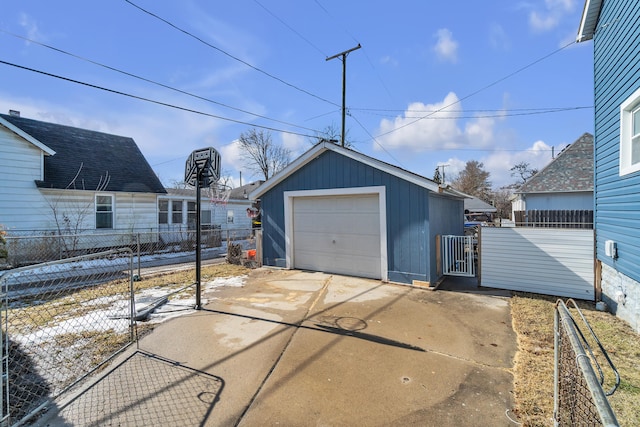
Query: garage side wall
{"x":408,"y":249}
{"x":446,"y":217}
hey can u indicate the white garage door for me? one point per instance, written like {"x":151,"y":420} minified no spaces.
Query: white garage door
{"x":337,"y":234}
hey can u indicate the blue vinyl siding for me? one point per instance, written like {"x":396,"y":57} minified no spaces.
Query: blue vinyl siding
{"x":617,"y":76}
{"x":446,"y":218}
{"x":409,"y":241}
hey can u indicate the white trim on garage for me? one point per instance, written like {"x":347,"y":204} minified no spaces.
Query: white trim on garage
{"x":322,"y":147}
{"x":380,"y":191}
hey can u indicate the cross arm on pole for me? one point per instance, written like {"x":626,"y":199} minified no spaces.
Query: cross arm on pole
{"x":344,"y":83}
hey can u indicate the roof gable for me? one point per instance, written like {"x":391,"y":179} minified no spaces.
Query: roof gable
{"x":473,"y":204}
{"x":322,"y":147}
{"x":570,"y":171}
{"x":589,"y":20}
{"x":88,"y":160}
{"x":26,"y":136}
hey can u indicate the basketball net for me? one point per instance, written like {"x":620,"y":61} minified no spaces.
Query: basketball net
{"x":220,"y":196}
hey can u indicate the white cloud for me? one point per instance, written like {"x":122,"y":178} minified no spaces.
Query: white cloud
{"x":446,"y":47}
{"x":551,"y":14}
{"x":499,"y":163}
{"x":498,"y":38}
{"x":389,"y":60}
{"x":294,"y":143}
{"x":435,"y":126}
{"x":31,"y":27}
{"x":231,"y":156}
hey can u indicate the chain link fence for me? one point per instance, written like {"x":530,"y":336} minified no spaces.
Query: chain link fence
{"x":62,"y":320}
{"x":579,"y":398}
{"x":33,"y":247}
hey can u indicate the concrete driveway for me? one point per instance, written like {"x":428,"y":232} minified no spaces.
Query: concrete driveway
{"x":294,"y":348}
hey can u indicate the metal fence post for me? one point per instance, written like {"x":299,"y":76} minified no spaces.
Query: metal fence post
{"x":579,"y":398}
{"x":138,"y":242}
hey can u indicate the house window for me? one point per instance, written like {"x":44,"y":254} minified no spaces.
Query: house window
{"x":191,"y":215}
{"x":104,"y":211}
{"x":229,"y":217}
{"x":205,"y":216}
{"x":630,"y":134}
{"x":163,"y":212}
{"x":176,"y":212}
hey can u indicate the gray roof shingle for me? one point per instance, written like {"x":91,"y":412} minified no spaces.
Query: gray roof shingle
{"x":570,"y":171}
{"x":85,"y":158}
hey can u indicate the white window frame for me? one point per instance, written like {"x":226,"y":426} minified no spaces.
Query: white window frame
{"x":164,"y":212}
{"x":230,"y":215}
{"x":179,"y":211}
{"x":627,"y":108}
{"x":112,"y":211}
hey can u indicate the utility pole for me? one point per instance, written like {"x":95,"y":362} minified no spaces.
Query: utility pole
{"x":344,"y":83}
{"x":443,"y":177}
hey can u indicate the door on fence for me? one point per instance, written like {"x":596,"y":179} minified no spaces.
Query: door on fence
{"x":458,"y":256}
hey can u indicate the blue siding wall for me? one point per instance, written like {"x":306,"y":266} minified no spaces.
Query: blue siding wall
{"x":409,"y":245}
{"x":617,"y":76}
{"x":561,"y":201}
{"x":446,"y":218}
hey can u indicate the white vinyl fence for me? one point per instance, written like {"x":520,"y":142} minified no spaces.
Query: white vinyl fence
{"x":548,"y":261}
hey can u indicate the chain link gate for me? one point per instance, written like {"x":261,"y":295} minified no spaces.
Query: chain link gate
{"x":579,"y":398}
{"x":61,"y":321}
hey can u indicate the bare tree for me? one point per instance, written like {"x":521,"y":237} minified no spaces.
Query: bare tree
{"x":501,"y":200}
{"x":261,"y":155}
{"x":71,"y":213}
{"x":524,"y":171}
{"x":474,"y":180}
{"x":331,"y":133}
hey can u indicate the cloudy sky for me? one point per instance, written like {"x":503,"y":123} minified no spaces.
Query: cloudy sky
{"x":435,"y":83}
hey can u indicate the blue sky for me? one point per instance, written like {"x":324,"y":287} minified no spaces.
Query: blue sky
{"x":434,"y":82}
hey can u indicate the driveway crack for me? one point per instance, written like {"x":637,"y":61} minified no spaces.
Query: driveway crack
{"x":297,"y":325}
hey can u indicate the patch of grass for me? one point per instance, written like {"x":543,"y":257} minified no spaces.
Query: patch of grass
{"x":533,"y":317}
{"x":185,"y":277}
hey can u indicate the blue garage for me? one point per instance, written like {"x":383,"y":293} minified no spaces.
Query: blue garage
{"x":339,"y":211}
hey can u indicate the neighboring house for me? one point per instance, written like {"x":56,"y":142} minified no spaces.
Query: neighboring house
{"x":565,"y":184}
{"x":226,"y":210}
{"x":613,"y":26}
{"x":478,"y":212}
{"x":336,"y":210}
{"x":63,"y":179}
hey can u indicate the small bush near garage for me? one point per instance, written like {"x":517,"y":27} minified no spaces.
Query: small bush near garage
{"x":534,"y":363}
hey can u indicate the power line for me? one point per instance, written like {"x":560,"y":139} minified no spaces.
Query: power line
{"x":229,"y":55}
{"x":363,"y":50}
{"x":152,"y":81}
{"x":376,"y":141}
{"x":164,"y":104}
{"x":479,"y":116}
{"x":290,"y":28}
{"x":481,"y":89}
{"x":467,"y":111}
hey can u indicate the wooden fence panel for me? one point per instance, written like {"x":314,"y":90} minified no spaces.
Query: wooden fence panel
{"x":554,"y":218}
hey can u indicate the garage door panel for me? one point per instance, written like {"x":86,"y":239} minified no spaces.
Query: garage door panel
{"x":337,"y":223}
{"x":338,"y":244}
{"x":338,"y":234}
{"x":354,"y":265}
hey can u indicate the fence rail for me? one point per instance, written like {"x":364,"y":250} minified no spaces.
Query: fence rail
{"x":579,"y":398}
{"x":554,"y":218}
{"x":61,"y":321}
{"x":33,"y":247}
